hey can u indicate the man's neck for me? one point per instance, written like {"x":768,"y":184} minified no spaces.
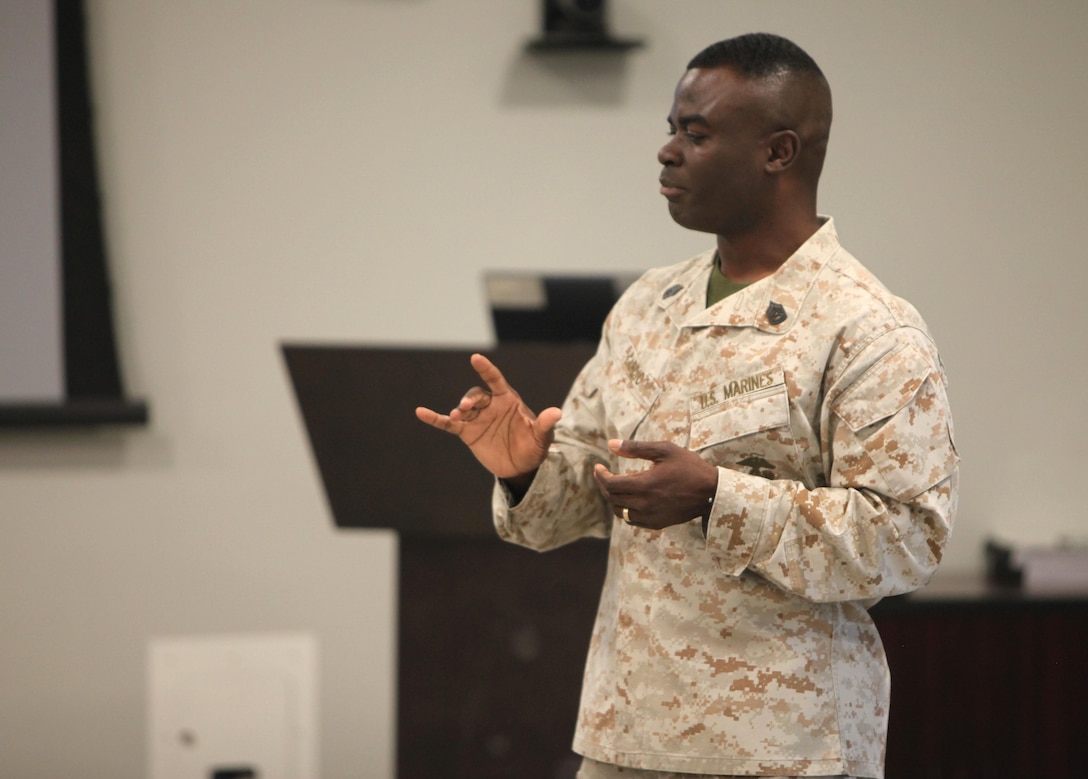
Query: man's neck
{"x":753,"y":255}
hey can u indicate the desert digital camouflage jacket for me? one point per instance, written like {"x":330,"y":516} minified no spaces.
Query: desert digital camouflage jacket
{"x":821,"y":398}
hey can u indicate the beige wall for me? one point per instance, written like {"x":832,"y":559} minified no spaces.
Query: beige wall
{"x":342,"y":171}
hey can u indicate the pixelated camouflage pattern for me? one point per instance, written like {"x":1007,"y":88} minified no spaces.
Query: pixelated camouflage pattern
{"x":750,"y":651}
{"x":591,"y":769}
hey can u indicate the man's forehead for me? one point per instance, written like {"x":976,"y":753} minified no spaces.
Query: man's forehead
{"x":706,"y":90}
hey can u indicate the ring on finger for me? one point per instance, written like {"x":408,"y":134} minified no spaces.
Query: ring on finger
{"x":626,"y":515}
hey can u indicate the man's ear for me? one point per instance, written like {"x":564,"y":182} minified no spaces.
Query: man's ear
{"x":783,"y":148}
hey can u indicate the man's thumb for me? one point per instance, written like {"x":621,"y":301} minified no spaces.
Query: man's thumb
{"x":548,"y":419}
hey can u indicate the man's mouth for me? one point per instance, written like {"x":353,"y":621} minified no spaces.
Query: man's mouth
{"x":669,"y":188}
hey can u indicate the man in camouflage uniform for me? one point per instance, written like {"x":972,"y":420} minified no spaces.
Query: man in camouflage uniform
{"x":765,"y":437}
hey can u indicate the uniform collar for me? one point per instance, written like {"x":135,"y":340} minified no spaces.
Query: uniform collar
{"x":770,"y":304}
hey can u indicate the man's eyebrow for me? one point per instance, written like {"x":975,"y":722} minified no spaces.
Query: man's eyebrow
{"x":684,"y":121}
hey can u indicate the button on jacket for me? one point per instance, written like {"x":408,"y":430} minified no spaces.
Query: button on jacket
{"x":820,"y":397}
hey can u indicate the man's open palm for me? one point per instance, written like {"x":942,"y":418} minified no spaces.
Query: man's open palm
{"x":503,"y":433}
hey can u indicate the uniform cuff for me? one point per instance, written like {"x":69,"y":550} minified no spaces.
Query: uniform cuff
{"x":738,"y":519}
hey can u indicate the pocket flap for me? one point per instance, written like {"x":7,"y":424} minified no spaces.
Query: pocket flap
{"x":738,"y":408}
{"x":885,"y":388}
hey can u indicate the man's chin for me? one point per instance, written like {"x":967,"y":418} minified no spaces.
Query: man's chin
{"x":686,"y":219}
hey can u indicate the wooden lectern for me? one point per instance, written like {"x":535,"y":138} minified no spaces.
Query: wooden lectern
{"x":492,"y":637}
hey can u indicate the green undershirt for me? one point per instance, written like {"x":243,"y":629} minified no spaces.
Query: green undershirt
{"x":720,"y":287}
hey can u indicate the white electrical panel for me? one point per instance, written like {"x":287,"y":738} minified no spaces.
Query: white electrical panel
{"x":233,"y":707}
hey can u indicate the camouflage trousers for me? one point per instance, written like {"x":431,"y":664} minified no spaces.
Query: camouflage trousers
{"x":591,"y":769}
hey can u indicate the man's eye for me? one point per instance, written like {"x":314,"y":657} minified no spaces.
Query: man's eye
{"x":694,"y":137}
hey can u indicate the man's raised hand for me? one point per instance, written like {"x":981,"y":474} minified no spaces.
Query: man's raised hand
{"x":503,"y":433}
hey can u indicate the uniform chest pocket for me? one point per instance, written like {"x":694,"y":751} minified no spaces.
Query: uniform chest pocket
{"x":738,"y":408}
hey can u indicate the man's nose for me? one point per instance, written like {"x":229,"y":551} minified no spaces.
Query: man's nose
{"x":669,"y":154}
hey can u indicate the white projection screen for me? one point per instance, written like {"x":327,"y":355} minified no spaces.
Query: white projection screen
{"x":31,"y":312}
{"x":58,"y":359}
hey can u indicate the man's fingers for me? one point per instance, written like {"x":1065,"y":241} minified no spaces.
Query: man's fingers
{"x":602,"y":475}
{"x":424,"y":414}
{"x":474,"y":401}
{"x":654,"y":451}
{"x":491,"y":375}
{"x":434,"y":419}
{"x":614,"y":487}
{"x":477,"y":397}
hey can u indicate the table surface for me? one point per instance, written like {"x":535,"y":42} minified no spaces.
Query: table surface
{"x":972,"y":591}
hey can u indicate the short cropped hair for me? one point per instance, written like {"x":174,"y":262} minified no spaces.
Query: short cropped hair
{"x":757,"y":55}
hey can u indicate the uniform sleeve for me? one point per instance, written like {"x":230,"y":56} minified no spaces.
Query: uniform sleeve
{"x":564,"y":504}
{"x":879,"y":526}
